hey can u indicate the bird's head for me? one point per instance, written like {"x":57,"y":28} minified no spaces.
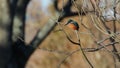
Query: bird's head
{"x":72,"y":24}
{"x":69,"y":21}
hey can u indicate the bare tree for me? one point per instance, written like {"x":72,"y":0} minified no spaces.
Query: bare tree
{"x":14,"y":53}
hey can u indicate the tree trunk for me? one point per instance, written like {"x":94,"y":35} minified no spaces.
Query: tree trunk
{"x":5,"y":34}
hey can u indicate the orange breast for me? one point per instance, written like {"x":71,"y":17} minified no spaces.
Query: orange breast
{"x":72,"y":26}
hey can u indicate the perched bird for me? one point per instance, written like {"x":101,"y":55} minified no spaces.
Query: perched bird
{"x":72,"y":24}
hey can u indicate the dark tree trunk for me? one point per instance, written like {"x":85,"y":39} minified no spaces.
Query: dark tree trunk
{"x":5,"y":34}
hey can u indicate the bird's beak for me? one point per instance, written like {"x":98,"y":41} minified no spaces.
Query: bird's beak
{"x":66,"y":24}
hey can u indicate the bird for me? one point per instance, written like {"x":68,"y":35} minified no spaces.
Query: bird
{"x":72,"y":24}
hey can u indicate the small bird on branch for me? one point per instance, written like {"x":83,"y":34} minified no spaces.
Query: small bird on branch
{"x":72,"y":24}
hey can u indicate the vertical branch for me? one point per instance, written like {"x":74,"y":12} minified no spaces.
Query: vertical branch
{"x":5,"y":34}
{"x":114,"y":31}
{"x":43,"y":33}
{"x":85,"y":57}
{"x":18,"y":11}
{"x":111,"y":38}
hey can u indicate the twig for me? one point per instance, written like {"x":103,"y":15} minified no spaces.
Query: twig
{"x":76,"y":43}
{"x":54,"y":51}
{"x":101,"y":46}
{"x":111,"y":37}
{"x":85,"y":57}
{"x":67,"y":57}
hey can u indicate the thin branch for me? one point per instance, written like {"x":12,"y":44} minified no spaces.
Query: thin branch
{"x":67,"y":57}
{"x":101,"y":41}
{"x":61,"y":28}
{"x":48,"y":27}
{"x":43,"y":33}
{"x":112,"y":39}
{"x":54,"y":51}
{"x":100,"y":47}
{"x":85,"y":57}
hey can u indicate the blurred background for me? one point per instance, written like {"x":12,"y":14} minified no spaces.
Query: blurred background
{"x":56,"y":46}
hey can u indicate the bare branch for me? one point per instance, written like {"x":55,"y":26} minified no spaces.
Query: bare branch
{"x":5,"y":34}
{"x":42,"y":33}
{"x":54,"y":51}
{"x":62,"y":61}
{"x":100,"y":47}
